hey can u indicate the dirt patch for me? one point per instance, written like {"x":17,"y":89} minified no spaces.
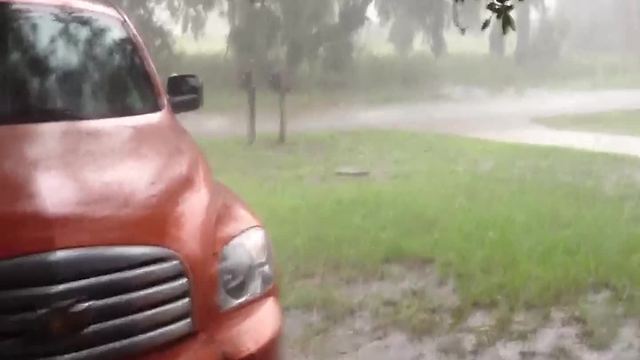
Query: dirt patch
{"x":408,"y":313}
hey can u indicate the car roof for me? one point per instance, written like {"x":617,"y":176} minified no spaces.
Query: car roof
{"x":90,"y":5}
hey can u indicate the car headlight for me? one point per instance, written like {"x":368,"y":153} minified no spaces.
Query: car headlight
{"x":246,"y":269}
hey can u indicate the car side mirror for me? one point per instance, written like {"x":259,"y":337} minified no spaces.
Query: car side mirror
{"x":185,"y":93}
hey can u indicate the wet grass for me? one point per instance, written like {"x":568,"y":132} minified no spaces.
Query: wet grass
{"x":515,"y":226}
{"x":617,"y":122}
{"x":314,"y":299}
{"x":601,"y":323}
{"x":411,"y":312}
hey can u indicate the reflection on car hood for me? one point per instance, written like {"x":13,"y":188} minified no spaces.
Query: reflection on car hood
{"x":101,"y":182}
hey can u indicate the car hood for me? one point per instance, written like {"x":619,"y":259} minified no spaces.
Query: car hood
{"x":137,"y":180}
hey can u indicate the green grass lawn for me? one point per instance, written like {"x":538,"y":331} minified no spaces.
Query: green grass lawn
{"x":618,"y":122}
{"x":520,"y":225}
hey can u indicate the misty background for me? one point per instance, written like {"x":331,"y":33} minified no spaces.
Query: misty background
{"x":387,"y":50}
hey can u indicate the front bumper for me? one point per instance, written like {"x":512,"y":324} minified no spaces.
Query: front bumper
{"x":250,"y":333}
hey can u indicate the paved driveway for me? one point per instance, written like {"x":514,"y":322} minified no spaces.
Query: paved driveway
{"x":505,"y":118}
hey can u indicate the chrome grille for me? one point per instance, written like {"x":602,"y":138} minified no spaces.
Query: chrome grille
{"x":92,"y":303}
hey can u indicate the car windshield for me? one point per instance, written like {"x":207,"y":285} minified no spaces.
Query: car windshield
{"x":59,"y":64}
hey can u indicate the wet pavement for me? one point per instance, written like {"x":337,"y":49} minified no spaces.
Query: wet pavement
{"x":505,"y":117}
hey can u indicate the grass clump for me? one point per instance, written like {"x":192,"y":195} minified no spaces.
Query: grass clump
{"x":412,"y":313}
{"x":601,"y":321}
{"x":333,"y":306}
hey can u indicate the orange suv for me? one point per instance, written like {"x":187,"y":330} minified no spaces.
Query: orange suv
{"x":116,"y":241}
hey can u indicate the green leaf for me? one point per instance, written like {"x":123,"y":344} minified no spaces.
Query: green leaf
{"x":486,"y":24}
{"x":493,"y":7}
{"x":508,"y":23}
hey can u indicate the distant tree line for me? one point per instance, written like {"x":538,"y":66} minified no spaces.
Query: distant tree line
{"x":290,"y":34}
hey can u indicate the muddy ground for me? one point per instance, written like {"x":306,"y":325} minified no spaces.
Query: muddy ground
{"x":410,"y":313}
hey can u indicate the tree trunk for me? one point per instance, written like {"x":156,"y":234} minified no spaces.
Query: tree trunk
{"x":282,"y":138}
{"x":496,"y":39}
{"x":524,"y":31}
{"x":232,"y":21}
{"x":437,"y":23}
{"x":634,"y":26}
{"x":251,"y":125}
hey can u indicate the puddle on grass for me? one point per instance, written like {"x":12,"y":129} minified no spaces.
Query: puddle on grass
{"x":558,"y":334}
